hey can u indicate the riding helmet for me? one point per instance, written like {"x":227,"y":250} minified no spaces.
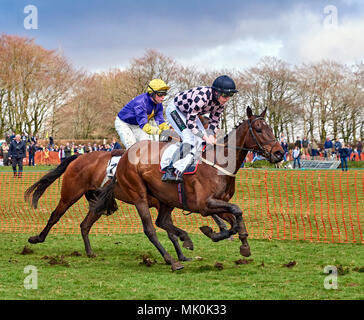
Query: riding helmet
{"x":224,"y":84}
{"x":157,"y":85}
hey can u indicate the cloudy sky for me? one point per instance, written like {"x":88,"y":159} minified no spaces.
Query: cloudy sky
{"x":98,"y":35}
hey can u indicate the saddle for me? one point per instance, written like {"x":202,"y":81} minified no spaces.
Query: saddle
{"x":192,"y":163}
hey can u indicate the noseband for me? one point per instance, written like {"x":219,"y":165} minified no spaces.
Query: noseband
{"x":261,"y":149}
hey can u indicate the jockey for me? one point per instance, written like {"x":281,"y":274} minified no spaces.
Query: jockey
{"x":183,"y":115}
{"x":132,"y":122}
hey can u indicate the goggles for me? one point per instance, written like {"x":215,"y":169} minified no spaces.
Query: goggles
{"x":158,"y":93}
{"x":161,"y":93}
{"x":227,"y":94}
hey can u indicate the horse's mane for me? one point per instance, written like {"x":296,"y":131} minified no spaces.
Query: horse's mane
{"x":236,"y":126}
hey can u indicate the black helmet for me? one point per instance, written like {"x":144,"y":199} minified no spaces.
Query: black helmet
{"x":224,"y":84}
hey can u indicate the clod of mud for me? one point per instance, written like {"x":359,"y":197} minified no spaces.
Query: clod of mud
{"x":56,"y":260}
{"x":357,"y":269}
{"x":75,"y":254}
{"x":290,"y":264}
{"x":198,"y":258}
{"x":342,"y":271}
{"x":147,"y":260}
{"x":219,"y":266}
{"x":244,"y":261}
{"x":26,"y":250}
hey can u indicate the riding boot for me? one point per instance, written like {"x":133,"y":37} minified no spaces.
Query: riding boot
{"x":169,"y":175}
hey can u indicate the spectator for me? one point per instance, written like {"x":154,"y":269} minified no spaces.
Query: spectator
{"x":350,"y":149}
{"x":17,"y":153}
{"x":296,"y":157}
{"x":46,"y":157}
{"x":31,"y":151}
{"x":284,"y":146}
{"x":12,"y":137}
{"x":67,"y":150}
{"x":344,"y":153}
{"x":305,"y":144}
{"x":314,"y":150}
{"x":115,"y":145}
{"x":298,"y":143}
{"x":337,"y":146}
{"x":62,"y":153}
{"x":7,"y":139}
{"x":328,"y":148}
{"x":51,"y":141}
{"x":5,"y":152}
{"x":359,"y":148}
{"x":81,"y":149}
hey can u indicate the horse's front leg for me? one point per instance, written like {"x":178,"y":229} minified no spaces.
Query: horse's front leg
{"x":215,"y":206}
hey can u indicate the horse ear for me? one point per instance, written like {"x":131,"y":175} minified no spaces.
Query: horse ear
{"x":263,"y":113}
{"x":249,"y":112}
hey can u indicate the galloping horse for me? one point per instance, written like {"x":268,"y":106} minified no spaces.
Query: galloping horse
{"x":207,"y":191}
{"x":83,"y":175}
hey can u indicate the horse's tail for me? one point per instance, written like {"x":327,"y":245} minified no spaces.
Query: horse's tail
{"x":105,"y":201}
{"x":41,"y":186}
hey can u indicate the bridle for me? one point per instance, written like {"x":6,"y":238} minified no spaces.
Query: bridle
{"x":260,"y":149}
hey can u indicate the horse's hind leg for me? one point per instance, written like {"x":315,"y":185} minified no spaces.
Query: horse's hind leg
{"x":86,"y":226}
{"x":61,"y":208}
{"x":150,"y":232}
{"x":165,"y":222}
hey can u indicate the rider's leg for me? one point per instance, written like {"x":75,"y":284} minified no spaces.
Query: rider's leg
{"x":180,"y":153}
{"x":127,"y":136}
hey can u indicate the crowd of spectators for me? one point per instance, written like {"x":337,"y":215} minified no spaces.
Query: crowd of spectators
{"x":308,"y":150}
{"x":64,"y":150}
{"x":313,"y":150}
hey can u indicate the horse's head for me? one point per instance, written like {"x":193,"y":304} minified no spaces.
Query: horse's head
{"x":260,"y":137}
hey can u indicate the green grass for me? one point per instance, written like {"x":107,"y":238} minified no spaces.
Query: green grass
{"x":117,"y":271}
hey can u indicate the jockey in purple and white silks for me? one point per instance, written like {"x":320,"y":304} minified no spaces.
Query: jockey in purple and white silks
{"x":132,"y":122}
{"x":183,"y":112}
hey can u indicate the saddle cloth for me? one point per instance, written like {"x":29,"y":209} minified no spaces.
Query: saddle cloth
{"x":187,"y":165}
{"x":111,"y":169}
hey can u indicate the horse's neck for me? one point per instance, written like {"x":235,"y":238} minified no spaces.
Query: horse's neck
{"x":233,"y":154}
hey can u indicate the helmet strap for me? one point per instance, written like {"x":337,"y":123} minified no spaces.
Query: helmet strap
{"x":215,"y":96}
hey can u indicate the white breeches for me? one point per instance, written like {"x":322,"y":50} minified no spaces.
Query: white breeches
{"x":130,"y":134}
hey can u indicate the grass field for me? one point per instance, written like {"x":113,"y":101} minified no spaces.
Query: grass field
{"x":276,"y":270}
{"x":118,"y":271}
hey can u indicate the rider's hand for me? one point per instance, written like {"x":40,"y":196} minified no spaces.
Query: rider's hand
{"x":209,"y":139}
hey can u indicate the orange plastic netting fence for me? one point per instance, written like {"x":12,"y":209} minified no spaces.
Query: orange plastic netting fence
{"x":318,"y":206}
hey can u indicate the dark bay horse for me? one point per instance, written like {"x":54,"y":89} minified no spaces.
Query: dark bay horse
{"x":82,"y":176}
{"x":207,"y":191}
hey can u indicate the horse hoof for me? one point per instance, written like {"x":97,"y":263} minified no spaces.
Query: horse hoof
{"x":207,"y":231}
{"x":188,"y":245}
{"x":33,"y":240}
{"x":91,"y":255}
{"x":245,"y":251}
{"x":177,"y":266}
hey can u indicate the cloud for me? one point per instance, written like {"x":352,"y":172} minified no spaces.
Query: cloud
{"x":299,"y":35}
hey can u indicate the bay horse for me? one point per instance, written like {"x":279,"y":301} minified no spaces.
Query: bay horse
{"x":82,"y":176}
{"x":207,"y":191}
